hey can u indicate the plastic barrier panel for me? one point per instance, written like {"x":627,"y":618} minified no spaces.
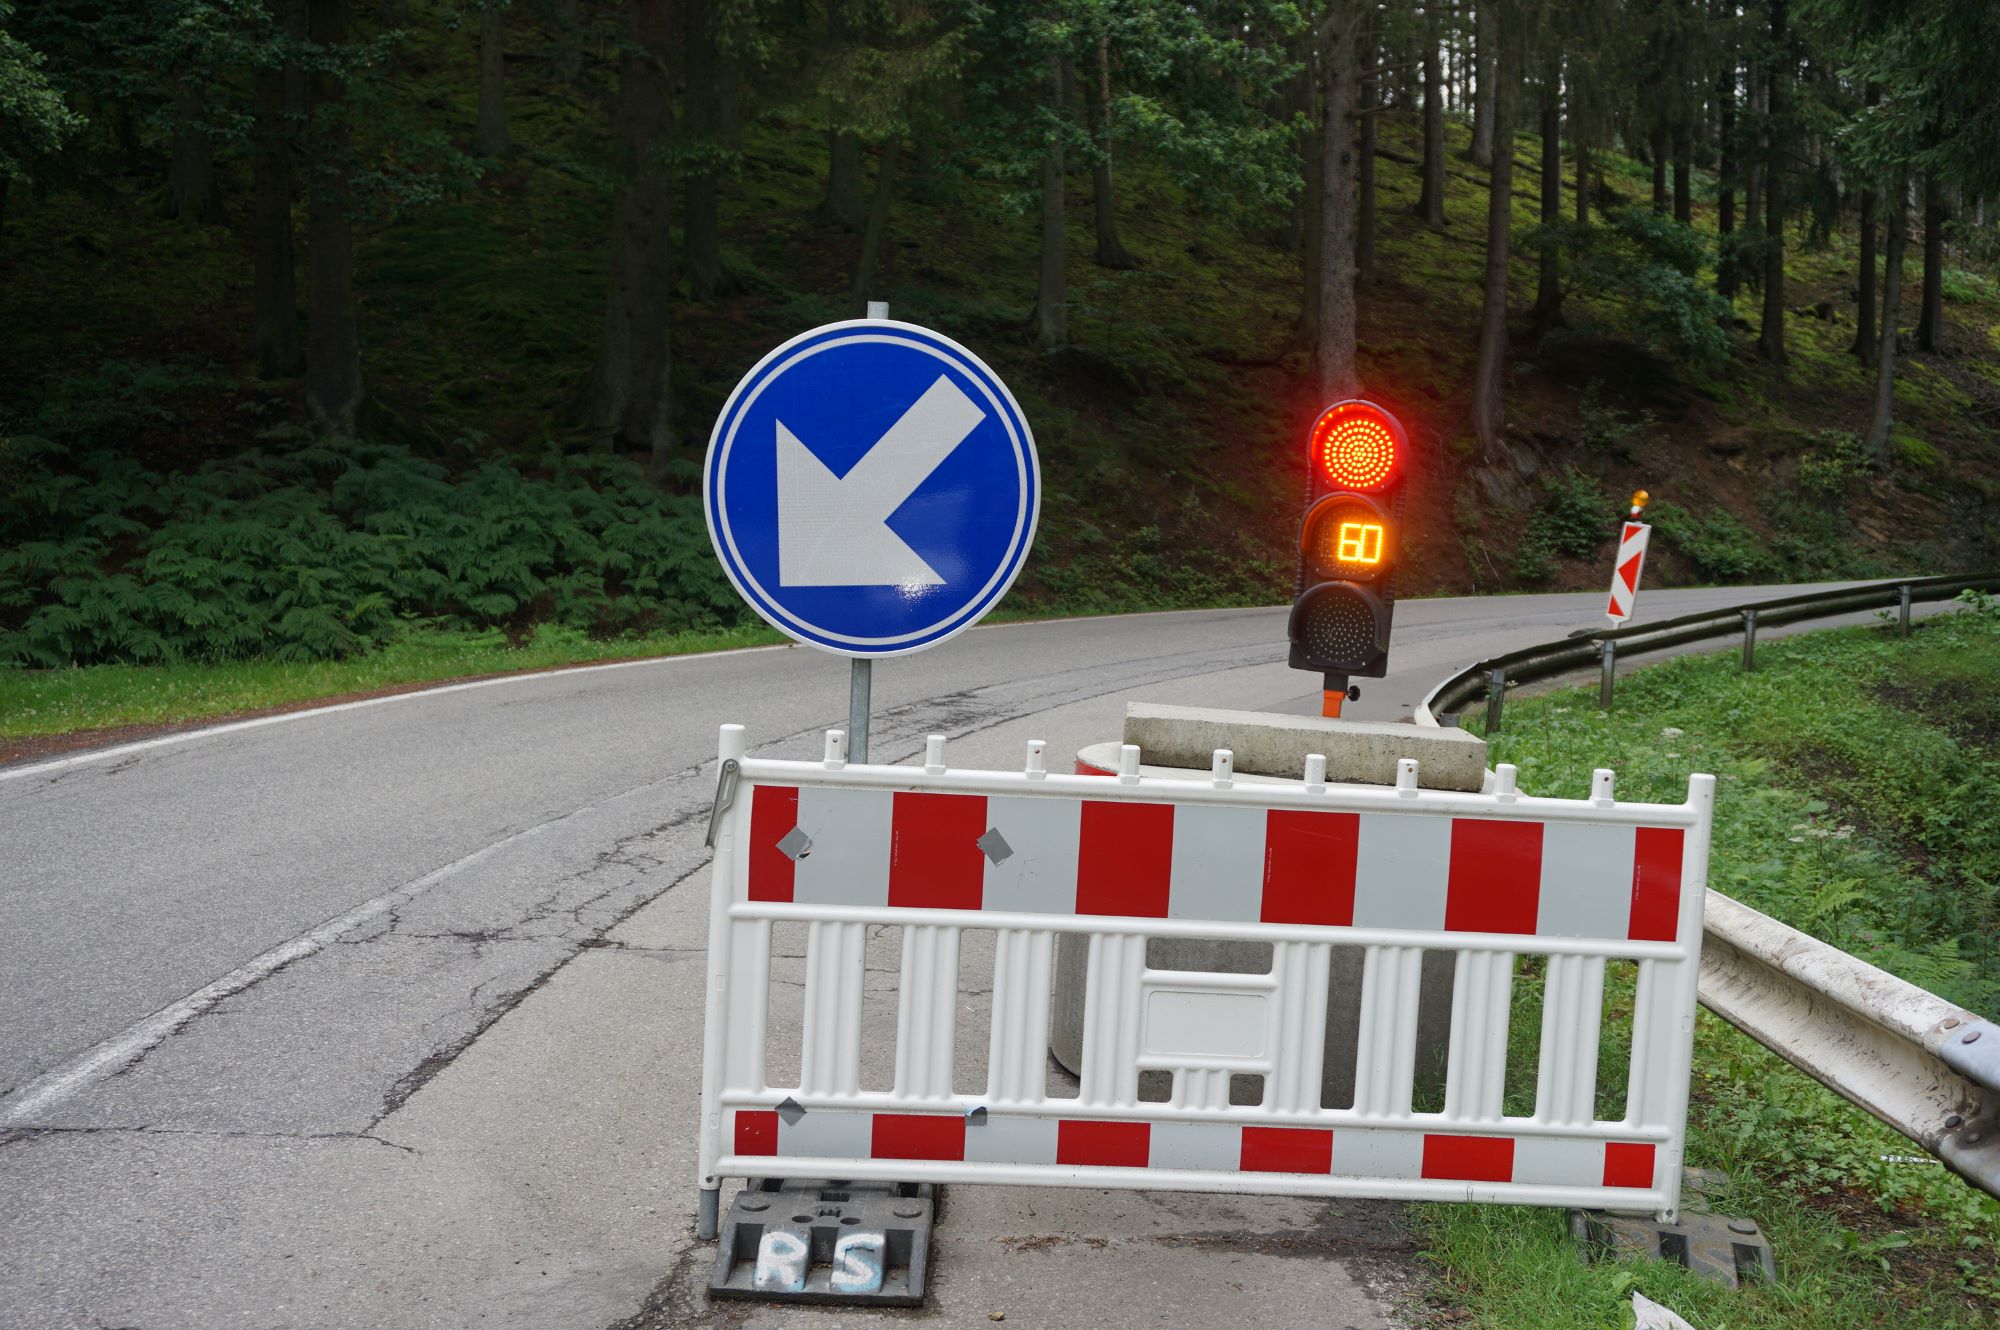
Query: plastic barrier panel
{"x":1539,"y":893}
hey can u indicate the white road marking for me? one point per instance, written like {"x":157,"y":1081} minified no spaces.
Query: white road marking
{"x":306,"y":713}
{"x":211,"y":731}
{"x":108,"y":1057}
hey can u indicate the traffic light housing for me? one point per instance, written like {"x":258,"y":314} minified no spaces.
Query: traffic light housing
{"x":1349,"y":542}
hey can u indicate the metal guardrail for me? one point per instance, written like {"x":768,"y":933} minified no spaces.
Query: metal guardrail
{"x":1926,"y":1067}
{"x":1490,"y":678}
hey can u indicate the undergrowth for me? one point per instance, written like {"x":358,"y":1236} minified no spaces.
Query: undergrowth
{"x":301,"y":548}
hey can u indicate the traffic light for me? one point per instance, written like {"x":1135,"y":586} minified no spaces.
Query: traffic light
{"x":1348,"y":545}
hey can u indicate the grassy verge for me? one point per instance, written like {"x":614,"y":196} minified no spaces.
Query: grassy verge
{"x":39,"y":703}
{"x":1854,"y":802}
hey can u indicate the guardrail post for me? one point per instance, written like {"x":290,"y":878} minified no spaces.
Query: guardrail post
{"x":1749,"y":640}
{"x":1607,"y":673}
{"x":1903,"y":610}
{"x":1496,"y":694}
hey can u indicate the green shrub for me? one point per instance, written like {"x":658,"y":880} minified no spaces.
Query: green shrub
{"x":302,"y":549}
{"x":1831,"y":460}
{"x":1572,"y":519}
{"x":1968,"y":288}
{"x":1719,"y":542}
{"x":1605,"y":430}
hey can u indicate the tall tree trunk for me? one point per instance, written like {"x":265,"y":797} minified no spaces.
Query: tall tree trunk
{"x":1430,"y":198}
{"x":878,"y":220}
{"x":333,"y":339}
{"x":489,"y":134}
{"x":1370,"y":93}
{"x":1752,"y":158}
{"x":844,"y":204}
{"x":1884,"y":415}
{"x":1486,"y":89}
{"x":1771,"y":337}
{"x":711,"y":124}
{"x":1867,"y":338}
{"x":1930,"y":318}
{"x":1548,"y":284}
{"x":1335,"y":374}
{"x":1683,"y":138}
{"x":3,"y":204}
{"x":1111,"y":251}
{"x":1725,"y":183}
{"x":274,"y":297}
{"x":1656,"y":142}
{"x":1582,"y":176}
{"x":631,"y":399}
{"x":1487,"y":409}
{"x":1312,"y":144}
{"x":1051,"y":321}
{"x":192,"y":192}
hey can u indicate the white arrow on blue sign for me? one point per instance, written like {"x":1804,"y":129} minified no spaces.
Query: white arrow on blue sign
{"x":872,"y":488}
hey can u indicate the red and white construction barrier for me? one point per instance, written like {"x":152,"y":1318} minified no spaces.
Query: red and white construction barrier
{"x":1562,"y":887}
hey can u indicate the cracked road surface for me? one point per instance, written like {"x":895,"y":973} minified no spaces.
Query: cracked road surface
{"x":390,"y":1015}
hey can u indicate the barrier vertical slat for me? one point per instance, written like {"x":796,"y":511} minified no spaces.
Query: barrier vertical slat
{"x":1111,"y":1020}
{"x":1298,"y":1044}
{"x":1018,"y":1054}
{"x":1572,"y":998}
{"x":750,"y":970}
{"x":830,"y":1061}
{"x":730,"y":748}
{"x":1476,"y":1064}
{"x":1201,"y":1087}
{"x":927,"y":1010}
{"x":1385,"y":1061}
{"x":1653,"y":1022}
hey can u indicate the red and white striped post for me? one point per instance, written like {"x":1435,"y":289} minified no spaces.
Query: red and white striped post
{"x":1631,"y":561}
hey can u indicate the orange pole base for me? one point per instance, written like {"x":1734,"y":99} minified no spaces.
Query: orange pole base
{"x":1330,"y":700}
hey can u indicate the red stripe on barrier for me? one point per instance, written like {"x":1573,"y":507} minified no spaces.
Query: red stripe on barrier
{"x":934,"y":860}
{"x":1495,"y":879}
{"x":1656,"y":884}
{"x":917,"y":1136}
{"x":756,"y":1131}
{"x":1469,"y":1158}
{"x":1627,"y":1164}
{"x":1309,"y":867}
{"x":774,"y":811}
{"x":1126,"y":858}
{"x":1104,"y":1144}
{"x":1287,"y":1150}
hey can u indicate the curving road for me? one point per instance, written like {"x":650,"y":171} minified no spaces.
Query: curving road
{"x":389,"y":1014}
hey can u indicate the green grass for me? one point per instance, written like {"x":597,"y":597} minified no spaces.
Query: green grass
{"x":1855,"y":773}
{"x":35,"y":703}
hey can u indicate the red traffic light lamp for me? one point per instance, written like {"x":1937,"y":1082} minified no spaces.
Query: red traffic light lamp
{"x":1358,"y":446}
{"x":1349,"y":543}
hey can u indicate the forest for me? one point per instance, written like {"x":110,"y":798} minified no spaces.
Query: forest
{"x":328,"y":322}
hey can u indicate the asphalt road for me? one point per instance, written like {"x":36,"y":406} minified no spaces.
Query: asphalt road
{"x":389,"y":1014}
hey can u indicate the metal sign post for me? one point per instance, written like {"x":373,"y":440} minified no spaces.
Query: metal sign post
{"x":861,"y":669}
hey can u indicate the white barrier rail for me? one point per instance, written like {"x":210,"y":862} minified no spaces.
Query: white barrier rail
{"x":1507,"y":883}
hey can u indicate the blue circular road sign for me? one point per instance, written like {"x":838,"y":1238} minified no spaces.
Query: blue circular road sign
{"x":872,"y":488}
